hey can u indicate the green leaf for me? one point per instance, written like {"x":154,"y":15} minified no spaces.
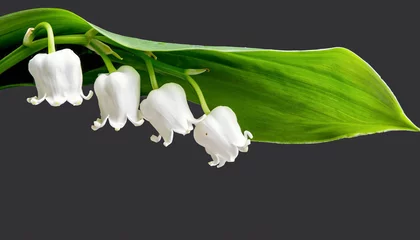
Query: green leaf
{"x":280,"y":96}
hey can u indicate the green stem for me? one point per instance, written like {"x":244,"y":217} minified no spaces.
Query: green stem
{"x":22,"y":52}
{"x":200,"y":95}
{"x":29,"y":37}
{"x":151,"y":71}
{"x":181,"y":73}
{"x":105,"y":58}
{"x":173,"y":71}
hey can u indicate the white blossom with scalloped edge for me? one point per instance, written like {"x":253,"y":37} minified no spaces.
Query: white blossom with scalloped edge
{"x":220,"y":134}
{"x":58,"y":78}
{"x":118,"y":96}
{"x":166,"y":108}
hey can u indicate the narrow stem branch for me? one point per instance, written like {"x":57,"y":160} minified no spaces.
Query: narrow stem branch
{"x":105,"y":58}
{"x":200,"y":94}
{"x":30,"y":35}
{"x":176,"y":72}
{"x":149,"y":66}
{"x":152,"y":75}
{"x":22,"y":52}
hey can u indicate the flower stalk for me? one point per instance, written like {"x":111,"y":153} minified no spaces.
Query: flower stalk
{"x":179,"y":73}
{"x":104,"y":56}
{"x":152,"y":75}
{"x":31,"y":33}
{"x":22,"y":52}
{"x":166,"y":108}
{"x":150,"y":70}
{"x":199,"y":93}
{"x":88,"y":40}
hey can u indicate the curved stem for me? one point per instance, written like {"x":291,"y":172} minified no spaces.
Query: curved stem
{"x":30,"y":35}
{"x":105,"y":58}
{"x":151,"y":71}
{"x":176,"y":72}
{"x":22,"y":52}
{"x":200,"y":94}
{"x":152,"y":75}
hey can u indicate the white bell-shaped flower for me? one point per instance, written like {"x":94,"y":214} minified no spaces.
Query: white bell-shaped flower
{"x":58,"y":78}
{"x":220,"y":134}
{"x":118,"y":96}
{"x":166,"y":108}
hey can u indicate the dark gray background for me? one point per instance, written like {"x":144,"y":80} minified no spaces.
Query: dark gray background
{"x":60,"y":180}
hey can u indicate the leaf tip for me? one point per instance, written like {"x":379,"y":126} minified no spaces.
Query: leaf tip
{"x":412,"y":126}
{"x":408,"y":125}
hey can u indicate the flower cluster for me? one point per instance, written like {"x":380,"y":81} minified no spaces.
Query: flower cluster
{"x":58,"y":78}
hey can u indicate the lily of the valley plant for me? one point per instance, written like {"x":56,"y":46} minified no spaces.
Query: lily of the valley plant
{"x":246,"y":94}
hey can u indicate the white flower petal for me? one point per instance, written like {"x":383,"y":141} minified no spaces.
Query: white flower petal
{"x":136,"y":120}
{"x":99,"y":123}
{"x":75,"y":100}
{"x":229,"y":125}
{"x":195,"y":121}
{"x":176,"y":95}
{"x":35,"y":100}
{"x":215,"y":159}
{"x":99,"y":88}
{"x":167,"y":110}
{"x":164,"y":131}
{"x":87,"y":97}
{"x":219,"y":133}
{"x":155,"y":139}
{"x":56,"y":100}
{"x":58,"y":76}
{"x":35,"y":67}
{"x":118,"y":96}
